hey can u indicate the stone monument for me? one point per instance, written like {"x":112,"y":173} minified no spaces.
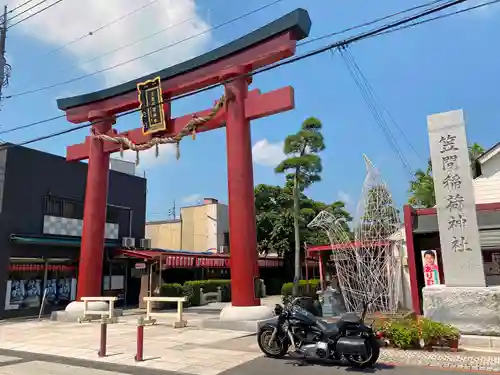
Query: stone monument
{"x":464,"y":301}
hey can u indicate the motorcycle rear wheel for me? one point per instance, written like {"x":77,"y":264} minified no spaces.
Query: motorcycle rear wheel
{"x":374,"y":346}
{"x":278,"y":349}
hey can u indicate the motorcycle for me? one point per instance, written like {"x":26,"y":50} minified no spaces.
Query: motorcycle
{"x":314,"y":338}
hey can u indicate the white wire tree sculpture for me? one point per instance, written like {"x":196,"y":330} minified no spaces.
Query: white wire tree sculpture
{"x":369,"y":267}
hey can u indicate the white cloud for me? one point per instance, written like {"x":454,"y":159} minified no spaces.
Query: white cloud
{"x":191,"y":199}
{"x":268,"y":154}
{"x":345,"y":197}
{"x":71,"y":19}
{"x":148,"y":158}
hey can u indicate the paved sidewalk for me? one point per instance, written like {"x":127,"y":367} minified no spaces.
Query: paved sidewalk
{"x":188,"y":350}
{"x":23,"y":363}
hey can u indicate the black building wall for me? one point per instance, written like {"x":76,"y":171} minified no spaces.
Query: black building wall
{"x":29,"y":176}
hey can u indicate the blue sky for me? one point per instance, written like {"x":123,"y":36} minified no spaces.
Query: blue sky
{"x":443,"y":65}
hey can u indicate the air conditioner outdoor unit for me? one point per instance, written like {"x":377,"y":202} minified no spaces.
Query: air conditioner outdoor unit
{"x":145,"y":243}
{"x":128,"y":242}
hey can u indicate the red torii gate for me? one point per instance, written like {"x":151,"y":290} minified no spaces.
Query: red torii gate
{"x":233,"y":62}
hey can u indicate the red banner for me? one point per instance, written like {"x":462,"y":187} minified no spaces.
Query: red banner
{"x":186,"y":261}
{"x":26,"y":267}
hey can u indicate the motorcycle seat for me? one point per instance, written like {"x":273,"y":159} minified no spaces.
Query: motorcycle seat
{"x":329,"y":329}
{"x":350,"y":318}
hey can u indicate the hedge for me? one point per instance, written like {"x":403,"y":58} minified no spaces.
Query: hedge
{"x":170,"y":290}
{"x":191,"y":289}
{"x":287,"y":289}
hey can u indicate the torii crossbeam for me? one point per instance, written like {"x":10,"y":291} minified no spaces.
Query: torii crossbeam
{"x":232,"y":64}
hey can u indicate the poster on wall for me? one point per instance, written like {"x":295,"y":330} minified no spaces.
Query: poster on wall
{"x":431,"y":267}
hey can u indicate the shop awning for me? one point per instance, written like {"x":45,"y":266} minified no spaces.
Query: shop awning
{"x":140,"y":254}
{"x":173,"y":259}
{"x":61,"y":241}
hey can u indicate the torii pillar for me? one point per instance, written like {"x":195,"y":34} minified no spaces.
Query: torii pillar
{"x":230,"y":65}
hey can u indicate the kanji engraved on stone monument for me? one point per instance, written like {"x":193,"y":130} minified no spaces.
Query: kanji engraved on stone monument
{"x":455,"y":205}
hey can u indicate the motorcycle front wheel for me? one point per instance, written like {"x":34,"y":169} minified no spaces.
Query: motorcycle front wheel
{"x":373,"y":354}
{"x":277,"y":349}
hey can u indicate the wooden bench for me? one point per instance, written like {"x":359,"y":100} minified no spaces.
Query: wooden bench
{"x":179,"y":323}
{"x":89,"y":315}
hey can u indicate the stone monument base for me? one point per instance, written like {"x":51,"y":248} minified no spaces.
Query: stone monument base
{"x":473,"y":310}
{"x":241,"y":318}
{"x":232,"y":313}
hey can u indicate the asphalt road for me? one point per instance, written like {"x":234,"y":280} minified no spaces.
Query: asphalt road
{"x":24,"y":363}
{"x":268,"y":366}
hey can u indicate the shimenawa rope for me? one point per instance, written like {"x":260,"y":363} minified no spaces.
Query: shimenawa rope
{"x":190,"y":128}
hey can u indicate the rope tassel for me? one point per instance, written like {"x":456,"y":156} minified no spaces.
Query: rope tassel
{"x":190,"y":128}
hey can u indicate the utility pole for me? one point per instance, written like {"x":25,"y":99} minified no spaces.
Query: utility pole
{"x":4,"y":67}
{"x":172,"y":212}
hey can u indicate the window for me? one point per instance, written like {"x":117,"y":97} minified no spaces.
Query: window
{"x":27,"y":281}
{"x":63,"y":207}
{"x":73,"y":209}
{"x":113,"y":215}
{"x":24,"y":286}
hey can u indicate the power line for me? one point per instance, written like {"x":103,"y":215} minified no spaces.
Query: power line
{"x":32,"y":124}
{"x":482,"y":5}
{"x":19,"y":6}
{"x":34,"y":14}
{"x":361,"y":36}
{"x":144,"y":55}
{"x":369,"y":23}
{"x":27,"y":10}
{"x":368,"y":95}
{"x":149,"y":36}
{"x":100,"y":28}
{"x":376,"y":99}
{"x":298,"y":45}
{"x":22,"y":127}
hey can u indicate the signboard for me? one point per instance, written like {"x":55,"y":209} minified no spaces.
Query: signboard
{"x":456,"y":208}
{"x":151,"y":104}
{"x":431,"y":267}
{"x":140,"y":266}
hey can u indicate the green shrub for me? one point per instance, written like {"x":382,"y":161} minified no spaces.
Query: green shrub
{"x":192,"y":289}
{"x":436,"y":333}
{"x":431,"y":331}
{"x":403,"y":334}
{"x":406,"y":333}
{"x":450,"y":332}
{"x":170,"y":290}
{"x":304,"y":291}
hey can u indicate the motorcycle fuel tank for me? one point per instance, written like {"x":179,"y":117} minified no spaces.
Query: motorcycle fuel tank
{"x":304,"y":317}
